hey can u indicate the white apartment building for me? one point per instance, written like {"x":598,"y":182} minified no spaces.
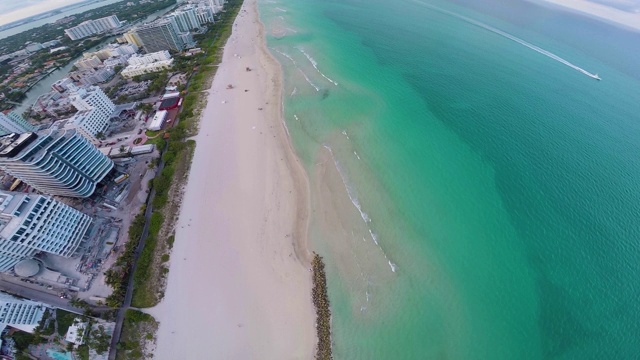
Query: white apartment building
{"x":19,"y":313}
{"x":135,"y":70}
{"x":185,"y":18}
{"x":204,"y":14}
{"x":88,"y":123}
{"x":31,"y":223}
{"x":55,"y":161}
{"x":94,"y":111}
{"x":82,"y":30}
{"x":92,"y":98}
{"x":149,"y":58}
{"x":107,"y":23}
{"x":90,"y":27}
{"x":14,"y":123}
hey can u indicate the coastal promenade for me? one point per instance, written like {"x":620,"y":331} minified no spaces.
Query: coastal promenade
{"x":240,"y":284}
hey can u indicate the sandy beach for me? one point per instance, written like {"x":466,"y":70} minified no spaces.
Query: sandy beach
{"x":598,"y":11}
{"x":239,"y":285}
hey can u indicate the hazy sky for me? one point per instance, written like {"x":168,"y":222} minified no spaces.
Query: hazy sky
{"x":12,"y":10}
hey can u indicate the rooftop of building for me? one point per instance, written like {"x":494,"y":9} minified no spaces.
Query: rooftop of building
{"x":29,"y":145}
{"x":13,"y":208}
{"x":142,"y":66}
{"x":168,"y":103}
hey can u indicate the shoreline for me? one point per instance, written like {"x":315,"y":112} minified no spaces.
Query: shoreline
{"x":240,"y":279}
{"x":301,"y":180}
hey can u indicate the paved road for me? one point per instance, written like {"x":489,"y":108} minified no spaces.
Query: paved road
{"x":37,"y":295}
{"x":117,"y":331}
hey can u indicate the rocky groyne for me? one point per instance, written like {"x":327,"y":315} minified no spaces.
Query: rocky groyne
{"x":323,"y":312}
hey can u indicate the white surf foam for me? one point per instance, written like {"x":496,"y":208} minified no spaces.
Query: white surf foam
{"x":296,"y":65}
{"x":354,"y":200}
{"x":315,"y":66}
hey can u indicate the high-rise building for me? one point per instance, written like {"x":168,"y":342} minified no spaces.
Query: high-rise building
{"x":13,"y":122}
{"x":56,"y":161}
{"x":185,"y":18}
{"x":31,"y":223}
{"x":84,"y":29}
{"x":107,"y":23}
{"x":90,"y":27}
{"x":92,"y":98}
{"x":160,"y":35}
{"x":20,"y":313}
{"x":204,"y":14}
{"x":94,"y":111}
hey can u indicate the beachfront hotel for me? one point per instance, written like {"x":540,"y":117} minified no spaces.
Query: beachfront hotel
{"x":31,"y":223}
{"x":20,"y":313}
{"x":57,"y":161}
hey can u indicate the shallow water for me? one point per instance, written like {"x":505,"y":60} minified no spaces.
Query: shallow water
{"x":483,"y":193}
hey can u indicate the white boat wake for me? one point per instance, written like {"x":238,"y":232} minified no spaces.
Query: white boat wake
{"x":512,"y":38}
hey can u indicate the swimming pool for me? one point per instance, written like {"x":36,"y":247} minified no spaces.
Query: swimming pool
{"x":59,"y":355}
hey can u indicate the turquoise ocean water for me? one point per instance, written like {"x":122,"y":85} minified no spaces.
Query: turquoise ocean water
{"x":497,"y":186}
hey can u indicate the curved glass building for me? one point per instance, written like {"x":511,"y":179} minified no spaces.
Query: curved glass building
{"x":56,"y":162}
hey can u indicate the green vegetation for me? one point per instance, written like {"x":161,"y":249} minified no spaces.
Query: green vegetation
{"x":64,"y":319}
{"x":158,"y":141}
{"x":152,"y":133}
{"x":136,"y":329}
{"x":23,"y":340}
{"x":118,"y":276}
{"x":99,"y":340}
{"x":83,"y":352}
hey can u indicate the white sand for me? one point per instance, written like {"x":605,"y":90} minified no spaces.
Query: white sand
{"x":236,"y":288}
{"x":598,"y":11}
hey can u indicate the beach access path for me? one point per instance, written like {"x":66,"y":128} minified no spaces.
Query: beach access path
{"x":239,"y":285}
